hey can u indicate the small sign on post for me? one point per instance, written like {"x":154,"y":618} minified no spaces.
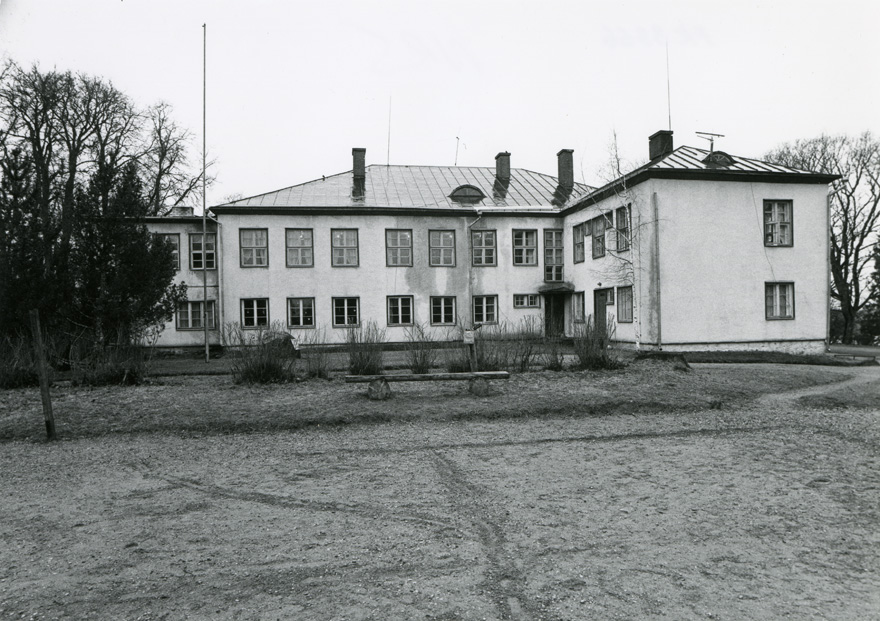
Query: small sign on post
{"x":468,"y":337}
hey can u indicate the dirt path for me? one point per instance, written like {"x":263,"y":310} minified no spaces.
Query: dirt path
{"x":859,"y":377}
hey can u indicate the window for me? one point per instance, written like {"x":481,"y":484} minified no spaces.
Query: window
{"x":553,"y":255}
{"x":577,"y":307}
{"x":578,"y":234}
{"x":189,"y":316}
{"x":623,"y":216}
{"x":483,"y":248}
{"x":624,"y":304}
{"x":400,"y":311}
{"x":202,"y":256}
{"x":599,"y":225}
{"x":301,"y":312}
{"x":254,"y":244}
{"x":173,"y":241}
{"x":300,"y":247}
{"x":779,"y":300}
{"x":526,"y":300}
{"x":345,"y":312}
{"x":525,"y":247}
{"x":777,"y":223}
{"x":609,"y":296}
{"x":443,"y":311}
{"x":255,"y":313}
{"x":441,"y":246}
{"x":398,"y":248}
{"x":485,"y":309}
{"x":344,"y":243}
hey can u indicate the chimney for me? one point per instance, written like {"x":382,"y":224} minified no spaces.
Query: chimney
{"x":660,"y":144}
{"x":359,"y":155}
{"x":566,"y":169}
{"x":502,"y":166}
{"x":181,"y":211}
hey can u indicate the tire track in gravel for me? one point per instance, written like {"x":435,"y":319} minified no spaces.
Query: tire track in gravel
{"x":864,"y":375}
{"x":504,"y":580}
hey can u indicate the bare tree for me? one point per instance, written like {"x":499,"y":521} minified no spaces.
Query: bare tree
{"x":855,"y":210}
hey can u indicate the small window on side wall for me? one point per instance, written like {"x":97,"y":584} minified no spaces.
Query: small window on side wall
{"x":779,"y":300}
{"x":777,"y":223}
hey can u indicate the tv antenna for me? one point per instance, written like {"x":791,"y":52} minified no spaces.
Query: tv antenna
{"x":456,"y":151}
{"x":710,"y":137}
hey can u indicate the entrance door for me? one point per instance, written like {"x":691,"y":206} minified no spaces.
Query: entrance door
{"x":600,"y":311}
{"x":554,"y":314}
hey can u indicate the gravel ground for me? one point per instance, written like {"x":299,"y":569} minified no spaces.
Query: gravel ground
{"x":763,"y":509}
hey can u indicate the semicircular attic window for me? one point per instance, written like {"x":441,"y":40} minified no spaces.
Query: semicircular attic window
{"x":467,"y":194}
{"x":718,"y":159}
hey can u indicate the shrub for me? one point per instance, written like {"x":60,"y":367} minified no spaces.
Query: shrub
{"x":552,"y":354}
{"x":420,"y":352}
{"x":315,"y":357}
{"x":17,"y":368}
{"x":591,"y":346}
{"x":263,"y":356}
{"x":364,"y":345}
{"x":124,"y":365}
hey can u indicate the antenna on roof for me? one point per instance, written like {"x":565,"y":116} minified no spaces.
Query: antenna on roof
{"x":388,"y":155}
{"x":456,"y":151}
{"x":668,"y":96}
{"x":710,"y":137}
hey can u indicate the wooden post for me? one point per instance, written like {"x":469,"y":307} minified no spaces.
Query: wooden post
{"x":43,"y":373}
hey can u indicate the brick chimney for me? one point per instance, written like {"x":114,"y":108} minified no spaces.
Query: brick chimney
{"x":566,"y":168}
{"x":660,"y":144}
{"x":359,"y":155}
{"x":502,"y":166}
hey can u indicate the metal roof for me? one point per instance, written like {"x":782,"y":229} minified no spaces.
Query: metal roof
{"x":691,"y":158}
{"x":423,"y":187}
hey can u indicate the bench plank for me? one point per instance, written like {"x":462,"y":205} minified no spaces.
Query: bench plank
{"x":427,"y":377}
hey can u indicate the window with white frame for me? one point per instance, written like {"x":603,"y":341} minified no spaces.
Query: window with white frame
{"x":485,"y":309}
{"x":400,"y":310}
{"x":526,"y":300}
{"x":254,"y":312}
{"x":624,"y":305}
{"x":553,"y":258}
{"x":344,"y":243}
{"x":578,"y":232}
{"x":483,"y":243}
{"x":300,"y":247}
{"x":202,"y":255}
{"x":443,"y":311}
{"x":623,"y":217}
{"x":346,"y":311}
{"x":577,"y":307}
{"x":189,"y":315}
{"x":777,"y":223}
{"x":525,"y":247}
{"x":441,"y":248}
{"x":301,"y":312}
{"x":598,"y":226}
{"x":254,"y":244}
{"x":173,"y":242}
{"x":779,"y":300}
{"x":398,"y":248}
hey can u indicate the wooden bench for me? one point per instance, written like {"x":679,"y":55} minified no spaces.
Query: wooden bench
{"x":380,"y":390}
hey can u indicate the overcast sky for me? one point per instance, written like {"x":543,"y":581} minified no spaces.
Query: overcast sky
{"x":293,"y":86}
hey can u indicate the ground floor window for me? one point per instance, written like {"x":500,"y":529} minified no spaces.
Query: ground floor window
{"x":255,"y":313}
{"x":577,"y":307}
{"x":301,"y":312}
{"x":189,"y":316}
{"x":443,"y":311}
{"x":400,"y":310}
{"x":624,"y":304}
{"x":346,"y":311}
{"x":485,"y":309}
{"x":526,"y":300}
{"x":779,"y":300}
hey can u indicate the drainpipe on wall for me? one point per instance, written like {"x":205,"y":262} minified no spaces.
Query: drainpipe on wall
{"x":827,"y":271}
{"x":470,"y":264}
{"x":657,"y":268}
{"x":218,"y":250}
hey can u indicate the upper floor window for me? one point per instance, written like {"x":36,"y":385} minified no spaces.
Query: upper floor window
{"x":779,"y":300}
{"x":344,"y":244}
{"x":525,"y":247}
{"x":300,"y":247}
{"x":553,"y":255}
{"x":483,"y":248}
{"x":578,"y":232}
{"x":202,"y":255}
{"x":599,"y":224}
{"x":623,"y":217}
{"x":441,"y":247}
{"x":173,"y":241}
{"x":777,"y":223}
{"x":254,"y":244}
{"x":398,"y":248}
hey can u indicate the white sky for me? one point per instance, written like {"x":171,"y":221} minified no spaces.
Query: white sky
{"x":293,"y":86}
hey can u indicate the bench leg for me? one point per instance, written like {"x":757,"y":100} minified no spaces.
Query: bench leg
{"x":379,"y":390}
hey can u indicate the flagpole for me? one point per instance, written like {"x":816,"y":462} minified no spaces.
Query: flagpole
{"x":204,"y":193}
